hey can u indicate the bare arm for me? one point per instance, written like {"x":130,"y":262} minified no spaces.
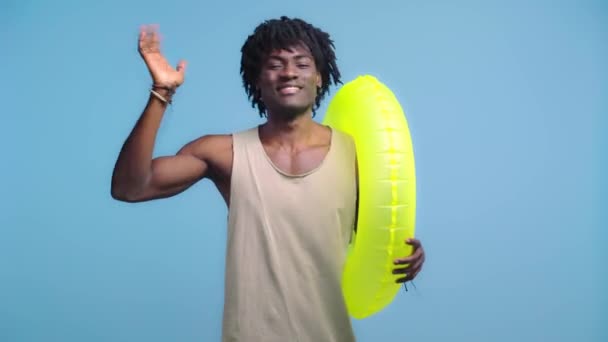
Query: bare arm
{"x":136,"y":175}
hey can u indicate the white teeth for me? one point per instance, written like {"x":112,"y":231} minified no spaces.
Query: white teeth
{"x":289,"y":90}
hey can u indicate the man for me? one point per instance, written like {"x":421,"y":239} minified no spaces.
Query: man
{"x":290,"y":185}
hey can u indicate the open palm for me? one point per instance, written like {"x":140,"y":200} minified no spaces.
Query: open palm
{"x":163,"y":74}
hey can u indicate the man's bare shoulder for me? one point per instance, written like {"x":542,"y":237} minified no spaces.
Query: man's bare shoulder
{"x":208,"y":146}
{"x":215,"y":150}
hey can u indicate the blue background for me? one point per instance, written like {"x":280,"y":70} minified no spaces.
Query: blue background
{"x":506,"y":102}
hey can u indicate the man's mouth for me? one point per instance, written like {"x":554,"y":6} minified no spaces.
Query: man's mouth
{"x":288,"y":89}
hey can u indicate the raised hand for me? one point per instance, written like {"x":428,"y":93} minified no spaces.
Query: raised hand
{"x":163,"y":74}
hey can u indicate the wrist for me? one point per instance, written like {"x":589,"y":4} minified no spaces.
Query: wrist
{"x":161,"y":87}
{"x":162,"y":93}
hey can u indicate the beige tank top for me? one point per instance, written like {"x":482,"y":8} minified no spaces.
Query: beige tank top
{"x":287,"y":242}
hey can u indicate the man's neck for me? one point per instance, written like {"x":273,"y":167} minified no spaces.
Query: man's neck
{"x":289,"y":134}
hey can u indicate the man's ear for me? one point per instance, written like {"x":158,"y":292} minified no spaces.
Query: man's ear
{"x":319,"y":81}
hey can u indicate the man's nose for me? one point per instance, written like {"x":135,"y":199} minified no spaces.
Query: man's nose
{"x":289,"y":71}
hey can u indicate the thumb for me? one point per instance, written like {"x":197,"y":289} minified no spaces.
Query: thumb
{"x":181,"y":67}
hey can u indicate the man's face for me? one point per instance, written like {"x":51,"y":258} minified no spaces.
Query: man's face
{"x":288,"y":82}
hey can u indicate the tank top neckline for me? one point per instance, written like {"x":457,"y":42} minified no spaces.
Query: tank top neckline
{"x":291,"y":175}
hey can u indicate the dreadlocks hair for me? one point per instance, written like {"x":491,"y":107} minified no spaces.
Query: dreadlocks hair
{"x":277,"y":34}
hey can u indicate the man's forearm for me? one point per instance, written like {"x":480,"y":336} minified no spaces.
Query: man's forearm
{"x":134,"y":163}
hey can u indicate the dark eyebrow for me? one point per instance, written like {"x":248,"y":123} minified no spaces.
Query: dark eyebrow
{"x":303,"y":57}
{"x":281,"y":59}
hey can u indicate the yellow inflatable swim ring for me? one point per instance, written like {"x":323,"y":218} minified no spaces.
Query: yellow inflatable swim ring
{"x":368,"y":111}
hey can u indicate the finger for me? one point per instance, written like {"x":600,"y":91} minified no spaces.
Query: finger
{"x":145,"y":36}
{"x":148,"y":33}
{"x":148,"y":30}
{"x":155,"y":39}
{"x":410,"y":263}
{"x":142,"y":35}
{"x":403,"y":270}
{"x":150,"y":40}
{"x":412,"y":258}
{"x":411,"y":267}
{"x":408,"y":277}
{"x":181,"y":66}
{"x":413,"y":242}
{"x":401,"y":280}
{"x":416,"y":244}
{"x":416,"y":266}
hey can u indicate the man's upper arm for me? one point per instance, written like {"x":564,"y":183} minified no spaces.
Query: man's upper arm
{"x":194,"y":161}
{"x":215,"y":151}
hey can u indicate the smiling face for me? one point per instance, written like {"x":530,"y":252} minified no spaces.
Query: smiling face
{"x":288,"y":82}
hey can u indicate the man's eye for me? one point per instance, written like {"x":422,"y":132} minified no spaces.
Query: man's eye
{"x":303,"y":66}
{"x":274,"y":66}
